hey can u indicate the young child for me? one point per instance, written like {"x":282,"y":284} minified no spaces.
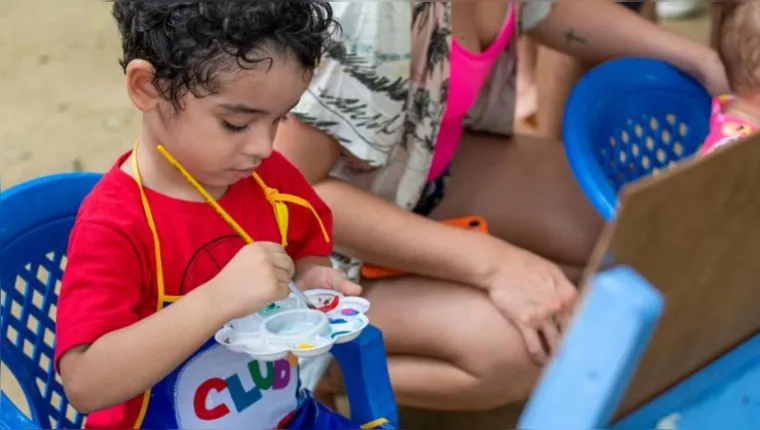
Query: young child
{"x":154,"y":270}
{"x":736,"y":35}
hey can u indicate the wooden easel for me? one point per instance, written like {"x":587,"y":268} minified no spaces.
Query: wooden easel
{"x":694,"y":233}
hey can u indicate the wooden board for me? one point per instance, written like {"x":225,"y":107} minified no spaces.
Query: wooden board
{"x":694,"y":232}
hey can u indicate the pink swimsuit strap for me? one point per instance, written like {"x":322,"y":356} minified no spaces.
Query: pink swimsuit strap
{"x":467,"y":74}
{"x":493,"y":51}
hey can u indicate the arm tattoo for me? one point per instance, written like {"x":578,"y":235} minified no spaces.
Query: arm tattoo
{"x":571,"y":36}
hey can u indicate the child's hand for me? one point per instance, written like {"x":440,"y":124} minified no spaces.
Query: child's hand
{"x":327,"y":277}
{"x":256,"y":276}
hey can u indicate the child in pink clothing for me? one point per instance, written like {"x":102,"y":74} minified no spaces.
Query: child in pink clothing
{"x":728,"y":123}
{"x":736,"y":31}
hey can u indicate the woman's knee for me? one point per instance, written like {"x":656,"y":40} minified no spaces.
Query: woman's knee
{"x":493,"y":352}
{"x":459,"y":325}
{"x":502,"y":370}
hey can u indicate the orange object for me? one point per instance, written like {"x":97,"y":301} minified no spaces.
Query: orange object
{"x":478,"y":223}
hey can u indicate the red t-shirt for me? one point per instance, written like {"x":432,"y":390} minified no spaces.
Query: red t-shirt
{"x":110,"y":278}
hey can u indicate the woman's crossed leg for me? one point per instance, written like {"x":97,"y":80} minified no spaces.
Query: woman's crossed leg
{"x":448,"y":346}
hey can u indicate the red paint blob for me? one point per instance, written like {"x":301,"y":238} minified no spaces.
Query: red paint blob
{"x":331,"y":305}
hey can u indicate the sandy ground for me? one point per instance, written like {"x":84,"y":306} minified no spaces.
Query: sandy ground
{"x":64,"y":106}
{"x":63,"y":102}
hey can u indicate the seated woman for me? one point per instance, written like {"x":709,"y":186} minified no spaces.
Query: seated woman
{"x":392,"y":134}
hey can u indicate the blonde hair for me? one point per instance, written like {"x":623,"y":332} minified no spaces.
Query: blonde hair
{"x":736,"y":38}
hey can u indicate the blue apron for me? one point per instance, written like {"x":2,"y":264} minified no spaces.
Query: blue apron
{"x":216,"y":388}
{"x":222,"y":389}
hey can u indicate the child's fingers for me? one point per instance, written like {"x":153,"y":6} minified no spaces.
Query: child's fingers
{"x":315,"y":278}
{"x":327,"y":277}
{"x":284,"y":264}
{"x":337,"y":280}
{"x":349,"y":288}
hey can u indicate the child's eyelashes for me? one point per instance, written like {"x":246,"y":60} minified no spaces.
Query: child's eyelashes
{"x":241,"y":128}
{"x":235,"y":128}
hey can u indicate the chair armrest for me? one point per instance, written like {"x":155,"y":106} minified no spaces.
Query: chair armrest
{"x":585,"y":381}
{"x":365,"y":372}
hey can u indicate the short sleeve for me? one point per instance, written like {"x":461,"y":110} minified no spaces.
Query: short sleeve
{"x":101,"y":290}
{"x":532,"y":13}
{"x":359,"y":91}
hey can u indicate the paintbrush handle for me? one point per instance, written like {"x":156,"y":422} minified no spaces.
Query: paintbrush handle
{"x":300,"y":295}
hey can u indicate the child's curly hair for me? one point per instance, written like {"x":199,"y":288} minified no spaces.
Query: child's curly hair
{"x":189,"y":43}
{"x":736,"y":37}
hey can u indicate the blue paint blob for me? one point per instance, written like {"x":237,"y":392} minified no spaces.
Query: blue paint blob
{"x":271,"y":308}
{"x":338,"y":321}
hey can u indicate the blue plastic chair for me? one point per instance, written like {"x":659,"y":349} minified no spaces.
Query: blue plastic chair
{"x":627,"y":118}
{"x":35,"y":221}
{"x":582,"y":386}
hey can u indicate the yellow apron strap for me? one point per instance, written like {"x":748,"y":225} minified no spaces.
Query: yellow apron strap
{"x":159,"y":267}
{"x":161,"y":293}
{"x":281,"y":216}
{"x":304,"y":203}
{"x":283,"y":220}
{"x":374,"y":423}
{"x":278,"y":200}
{"x":219,"y":210}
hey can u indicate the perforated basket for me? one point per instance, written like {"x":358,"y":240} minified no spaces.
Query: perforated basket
{"x":628,"y":118}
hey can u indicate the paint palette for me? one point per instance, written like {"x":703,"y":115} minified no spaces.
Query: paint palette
{"x":289,"y":326}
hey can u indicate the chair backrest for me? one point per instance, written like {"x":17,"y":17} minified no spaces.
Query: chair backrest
{"x":582,"y":386}
{"x":627,"y":118}
{"x":35,"y":219}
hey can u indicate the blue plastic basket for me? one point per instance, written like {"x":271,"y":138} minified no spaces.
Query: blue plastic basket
{"x":628,"y":118}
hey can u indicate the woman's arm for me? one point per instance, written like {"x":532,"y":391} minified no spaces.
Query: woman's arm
{"x":125,"y":363}
{"x":598,"y":30}
{"x":377,"y":231}
{"x":529,"y":291}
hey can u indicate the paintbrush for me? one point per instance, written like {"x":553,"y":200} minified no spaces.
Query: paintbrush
{"x":300,"y":295}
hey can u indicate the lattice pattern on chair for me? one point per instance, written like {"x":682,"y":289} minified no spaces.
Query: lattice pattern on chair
{"x":29,"y":309}
{"x":642,"y":147}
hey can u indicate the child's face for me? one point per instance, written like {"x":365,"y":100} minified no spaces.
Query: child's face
{"x":223,"y":137}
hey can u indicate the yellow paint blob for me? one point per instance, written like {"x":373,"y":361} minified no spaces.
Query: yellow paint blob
{"x":305,"y":346}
